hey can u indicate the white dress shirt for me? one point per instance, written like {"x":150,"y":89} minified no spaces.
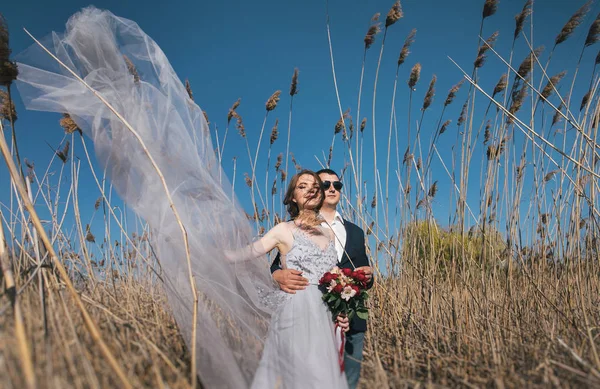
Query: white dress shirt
{"x":340,"y":233}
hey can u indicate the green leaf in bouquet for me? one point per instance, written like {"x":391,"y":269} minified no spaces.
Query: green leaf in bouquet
{"x":362,"y":314}
{"x":337,"y":304}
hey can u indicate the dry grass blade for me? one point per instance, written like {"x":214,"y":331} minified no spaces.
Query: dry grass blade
{"x":572,"y":24}
{"x":373,"y":30}
{"x":273,"y":100}
{"x":489,"y":8}
{"x":294,"y":83}
{"x":480,"y":60}
{"x":551,"y":85}
{"x":430,"y":93}
{"x":520,"y":18}
{"x":415,"y":74}
{"x":594,"y":33}
{"x":394,"y":15}
{"x":452,"y":93}
{"x":410,"y":39}
{"x":501,"y":85}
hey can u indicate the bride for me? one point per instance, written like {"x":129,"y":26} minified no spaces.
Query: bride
{"x":301,"y":350}
{"x":155,"y":145}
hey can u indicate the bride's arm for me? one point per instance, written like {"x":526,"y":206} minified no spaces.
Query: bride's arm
{"x":274,"y":238}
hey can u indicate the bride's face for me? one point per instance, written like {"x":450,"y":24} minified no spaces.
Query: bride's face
{"x":307,"y":194}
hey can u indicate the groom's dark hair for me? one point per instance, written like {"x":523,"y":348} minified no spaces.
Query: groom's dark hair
{"x":328,"y":171}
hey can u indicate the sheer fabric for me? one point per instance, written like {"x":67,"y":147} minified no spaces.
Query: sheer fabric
{"x":232,"y":319}
{"x":239,"y":304}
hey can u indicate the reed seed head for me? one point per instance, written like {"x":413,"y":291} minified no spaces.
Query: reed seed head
{"x":232,"y":111}
{"x":408,"y":157}
{"x":481,"y":56}
{"x":274,"y":187}
{"x":419,"y":163}
{"x":68,"y":124}
{"x":8,"y":68}
{"x":415,"y":73}
{"x":374,"y":201}
{"x":273,"y":100}
{"x":274,"y":132}
{"x":433,"y":190}
{"x":373,"y":30}
{"x":557,"y":115}
{"x":394,"y":15}
{"x":527,"y":64}
{"x":463,"y":114}
{"x":98,"y":203}
{"x":585,"y":100}
{"x":248,"y":180}
{"x":550,"y":175}
{"x":240,"y":126}
{"x":63,"y":154}
{"x":501,"y":85}
{"x":363,"y":124}
{"x":520,"y":18}
{"x":279,"y":161}
{"x":283,"y":175}
{"x":452,"y":93}
{"x":551,"y":85}
{"x":489,"y":8}
{"x":594,"y":33}
{"x":430,"y":93}
{"x":572,"y":24}
{"x":188,"y":89}
{"x":7,"y":107}
{"x":445,"y":126}
{"x":410,"y":39}
{"x":329,"y":156}
{"x":518,"y":100}
{"x":294,"y":84}
{"x":132,"y":69}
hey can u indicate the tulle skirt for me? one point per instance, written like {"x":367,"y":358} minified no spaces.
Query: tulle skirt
{"x":300,"y":351}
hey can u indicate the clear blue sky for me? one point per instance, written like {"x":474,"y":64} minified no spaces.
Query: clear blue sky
{"x":248,"y":49}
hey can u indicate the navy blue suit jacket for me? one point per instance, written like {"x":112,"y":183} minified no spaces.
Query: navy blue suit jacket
{"x":354,"y":254}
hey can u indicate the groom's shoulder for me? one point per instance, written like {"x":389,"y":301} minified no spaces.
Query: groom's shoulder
{"x":353,"y":227}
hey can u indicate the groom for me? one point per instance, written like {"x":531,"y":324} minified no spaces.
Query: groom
{"x":350,"y":247}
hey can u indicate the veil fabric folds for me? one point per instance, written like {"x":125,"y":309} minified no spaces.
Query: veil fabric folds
{"x":233,"y":309}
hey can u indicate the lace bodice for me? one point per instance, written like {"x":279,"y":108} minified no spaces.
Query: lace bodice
{"x":312,"y":255}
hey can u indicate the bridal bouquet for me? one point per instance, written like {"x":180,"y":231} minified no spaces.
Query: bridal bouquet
{"x":344,"y":291}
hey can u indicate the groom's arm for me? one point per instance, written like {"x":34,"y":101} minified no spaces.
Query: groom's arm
{"x":289,"y":280}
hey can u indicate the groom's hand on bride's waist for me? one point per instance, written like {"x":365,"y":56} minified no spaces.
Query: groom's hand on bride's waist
{"x":290,"y":280}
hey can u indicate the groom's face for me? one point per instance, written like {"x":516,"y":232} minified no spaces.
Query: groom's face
{"x":332,"y":195}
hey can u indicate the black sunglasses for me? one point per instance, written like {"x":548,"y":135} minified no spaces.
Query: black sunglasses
{"x":337,"y":185}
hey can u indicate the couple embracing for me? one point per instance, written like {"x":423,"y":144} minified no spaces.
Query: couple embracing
{"x":300,"y":351}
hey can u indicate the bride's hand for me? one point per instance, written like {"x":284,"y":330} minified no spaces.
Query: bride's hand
{"x":343,"y":322}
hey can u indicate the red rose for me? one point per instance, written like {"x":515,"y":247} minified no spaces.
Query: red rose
{"x":335,"y":276}
{"x":347,"y":272}
{"x":356,"y":289}
{"x":326,"y":279}
{"x":338,"y":289}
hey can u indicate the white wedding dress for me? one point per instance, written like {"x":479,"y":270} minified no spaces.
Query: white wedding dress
{"x":301,"y":350}
{"x":249,"y":334}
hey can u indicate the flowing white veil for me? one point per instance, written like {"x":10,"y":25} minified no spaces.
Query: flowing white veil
{"x":234,"y":307}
